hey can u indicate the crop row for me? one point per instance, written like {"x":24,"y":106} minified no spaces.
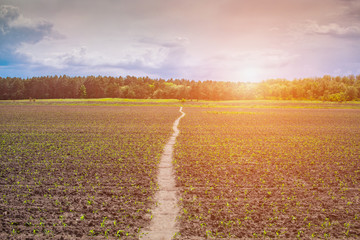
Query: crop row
{"x":77,"y":171}
{"x":278,"y":173}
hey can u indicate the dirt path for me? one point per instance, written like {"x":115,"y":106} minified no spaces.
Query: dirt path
{"x":163,"y":224}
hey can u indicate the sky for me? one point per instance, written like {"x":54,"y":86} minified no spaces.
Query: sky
{"x":220,"y":40}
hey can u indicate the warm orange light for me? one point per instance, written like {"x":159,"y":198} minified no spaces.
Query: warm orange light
{"x":250,"y":74}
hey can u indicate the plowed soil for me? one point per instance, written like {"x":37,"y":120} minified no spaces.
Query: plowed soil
{"x":269,"y":173}
{"x":79,"y":171}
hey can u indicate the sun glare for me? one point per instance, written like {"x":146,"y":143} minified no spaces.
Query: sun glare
{"x":250,"y":74}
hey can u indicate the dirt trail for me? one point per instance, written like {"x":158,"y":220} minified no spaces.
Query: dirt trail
{"x":163,"y":224}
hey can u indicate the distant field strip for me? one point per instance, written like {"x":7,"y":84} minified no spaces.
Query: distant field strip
{"x":224,"y":105}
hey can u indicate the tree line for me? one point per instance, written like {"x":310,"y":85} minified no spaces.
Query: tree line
{"x":326,"y":88}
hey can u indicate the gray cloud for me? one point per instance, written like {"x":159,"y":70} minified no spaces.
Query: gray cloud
{"x":351,"y":9}
{"x":147,"y":56}
{"x":16,"y":30}
{"x":157,"y":57}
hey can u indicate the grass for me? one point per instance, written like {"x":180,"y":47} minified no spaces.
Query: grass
{"x":256,"y":104}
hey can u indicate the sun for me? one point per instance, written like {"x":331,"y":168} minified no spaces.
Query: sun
{"x":250,"y":74}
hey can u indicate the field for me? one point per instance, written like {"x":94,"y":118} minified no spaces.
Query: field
{"x":79,"y":171}
{"x":246,"y":169}
{"x":278,"y":173}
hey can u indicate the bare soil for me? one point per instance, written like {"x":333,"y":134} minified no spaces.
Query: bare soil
{"x":163,"y":224}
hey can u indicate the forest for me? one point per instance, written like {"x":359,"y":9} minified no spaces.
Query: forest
{"x":326,"y":88}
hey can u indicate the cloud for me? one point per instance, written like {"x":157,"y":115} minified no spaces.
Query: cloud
{"x":172,"y":43}
{"x":78,"y":57}
{"x":351,"y":9}
{"x":264,"y":58}
{"x":219,"y":39}
{"x":168,"y":54}
{"x":333,"y":29}
{"x":146,"y":56}
{"x":157,"y":57}
{"x":16,"y":30}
